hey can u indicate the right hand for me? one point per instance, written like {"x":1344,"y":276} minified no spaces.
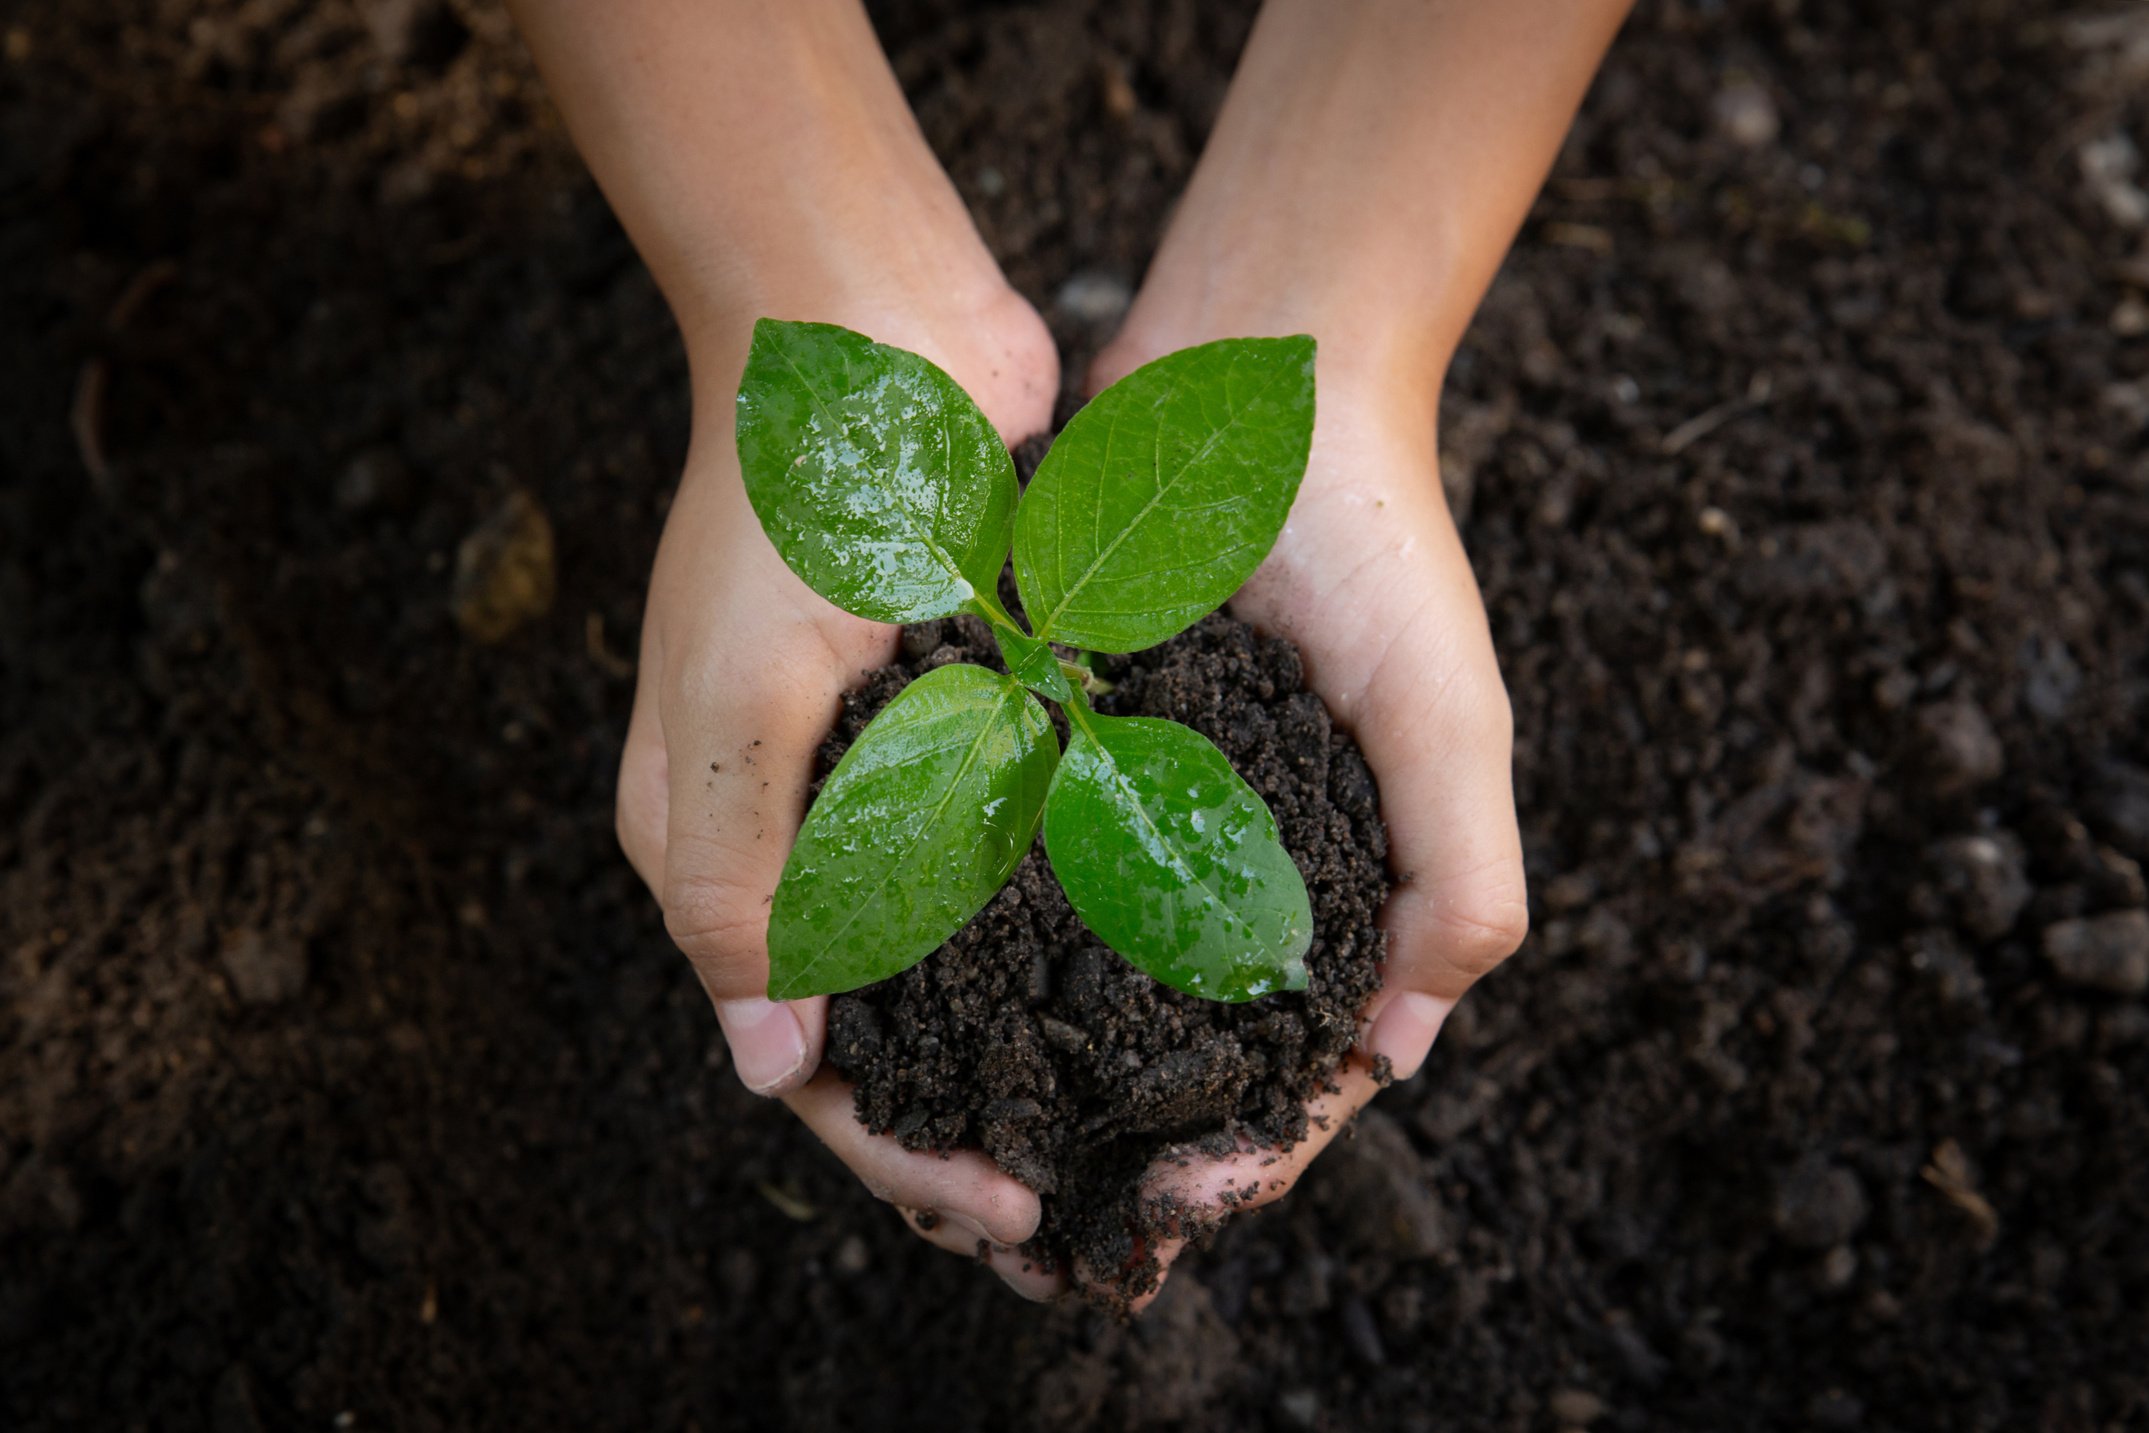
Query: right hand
{"x":742,"y":667}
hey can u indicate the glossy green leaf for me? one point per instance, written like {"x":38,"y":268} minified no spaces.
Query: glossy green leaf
{"x":1033,"y":663}
{"x":916,"y":828}
{"x":1173,"y":860}
{"x":1162,"y":496}
{"x":877,"y":478}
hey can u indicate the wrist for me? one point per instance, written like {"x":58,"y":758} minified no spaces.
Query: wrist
{"x":1375,"y":351}
{"x":964,"y":317}
{"x":764,"y":161}
{"x":878,"y":241}
{"x":1368,"y":334}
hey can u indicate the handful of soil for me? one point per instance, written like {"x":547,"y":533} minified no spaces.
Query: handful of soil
{"x":1026,"y":1037}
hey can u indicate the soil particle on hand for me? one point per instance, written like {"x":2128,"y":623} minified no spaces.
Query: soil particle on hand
{"x":2108,"y":952}
{"x":1027,"y":1038}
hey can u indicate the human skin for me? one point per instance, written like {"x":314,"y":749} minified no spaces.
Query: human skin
{"x":1368,"y":172}
{"x":1370,"y":167}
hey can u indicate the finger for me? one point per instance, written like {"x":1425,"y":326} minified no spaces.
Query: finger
{"x":1434,"y":722}
{"x":773,"y":1047}
{"x":740,"y":754}
{"x":1211,"y":1189}
{"x":1014,"y":1268}
{"x":1420,"y":690}
{"x":741,"y":721}
{"x":740,"y":731}
{"x":965,"y":1188}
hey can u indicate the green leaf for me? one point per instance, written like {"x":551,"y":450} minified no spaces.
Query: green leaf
{"x":1033,"y":663}
{"x":916,"y":828}
{"x":1161,"y":497}
{"x":1173,"y":860}
{"x":874,"y":474}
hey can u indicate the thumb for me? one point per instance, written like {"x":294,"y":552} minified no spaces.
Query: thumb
{"x":709,"y":895}
{"x":740,"y":733}
{"x":1437,"y":729}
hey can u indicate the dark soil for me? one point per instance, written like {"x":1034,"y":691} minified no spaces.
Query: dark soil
{"x":349,"y":1079}
{"x":1026,"y":1037}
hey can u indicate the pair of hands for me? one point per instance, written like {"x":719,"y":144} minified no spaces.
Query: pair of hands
{"x":742,"y":668}
{"x":1371,"y":163}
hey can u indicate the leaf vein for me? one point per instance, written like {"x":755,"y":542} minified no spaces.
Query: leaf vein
{"x":843,"y":426}
{"x":970,"y":759}
{"x":1068,"y":594}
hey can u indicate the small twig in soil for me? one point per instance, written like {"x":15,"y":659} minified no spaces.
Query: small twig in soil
{"x":86,"y":418}
{"x":593,"y":639}
{"x":789,"y":1204}
{"x":140,"y":288}
{"x":1949,"y":1172}
{"x":1702,"y":424}
{"x":1569,"y":235}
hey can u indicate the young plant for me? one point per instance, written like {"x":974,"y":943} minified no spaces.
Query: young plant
{"x":889,"y":493}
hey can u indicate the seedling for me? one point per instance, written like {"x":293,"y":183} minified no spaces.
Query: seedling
{"x":890,"y":494}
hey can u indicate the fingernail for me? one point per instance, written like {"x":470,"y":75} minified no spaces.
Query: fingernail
{"x":1404,"y":1030}
{"x":768,"y":1045}
{"x":967,"y":1224}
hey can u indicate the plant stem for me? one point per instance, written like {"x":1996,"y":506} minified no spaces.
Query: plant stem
{"x":1086,"y":678}
{"x":1078,"y":711}
{"x":987,"y":606}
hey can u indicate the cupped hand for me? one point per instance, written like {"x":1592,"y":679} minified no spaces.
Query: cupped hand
{"x":1370,"y":580}
{"x":742,"y":669}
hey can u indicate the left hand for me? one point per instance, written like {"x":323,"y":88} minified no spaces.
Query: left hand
{"x":1370,"y":580}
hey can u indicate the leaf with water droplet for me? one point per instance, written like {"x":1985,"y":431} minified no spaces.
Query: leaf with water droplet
{"x":920,"y":823}
{"x":1174,"y":861}
{"x":1165,"y":493}
{"x":877,"y":478}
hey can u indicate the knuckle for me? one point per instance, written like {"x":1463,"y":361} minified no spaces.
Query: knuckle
{"x":1484,"y":923}
{"x":1487,"y":709}
{"x":721,"y":928}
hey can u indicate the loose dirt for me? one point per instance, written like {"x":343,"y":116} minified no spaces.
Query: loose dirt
{"x":350,"y":1079}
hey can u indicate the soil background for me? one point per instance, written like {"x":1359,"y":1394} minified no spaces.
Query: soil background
{"x":349,"y":1080}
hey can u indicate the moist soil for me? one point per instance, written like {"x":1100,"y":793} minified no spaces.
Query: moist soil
{"x":1028,"y":1038}
{"x":1799,"y":450}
